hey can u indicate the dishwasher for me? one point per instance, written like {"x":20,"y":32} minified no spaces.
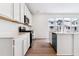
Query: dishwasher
{"x":54,"y":41}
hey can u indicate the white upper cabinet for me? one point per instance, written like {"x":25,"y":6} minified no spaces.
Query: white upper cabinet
{"x":25,"y":11}
{"x":17,"y":11}
{"x":28,"y":15}
{"x":22,"y":12}
{"x":6,"y":9}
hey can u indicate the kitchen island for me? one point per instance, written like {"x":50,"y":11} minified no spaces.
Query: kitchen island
{"x":67,"y":43}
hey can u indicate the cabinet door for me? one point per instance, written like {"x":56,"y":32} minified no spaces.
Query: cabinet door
{"x":6,"y":9}
{"x":6,"y":47}
{"x":22,"y":12}
{"x":76,"y":44}
{"x":28,"y":38}
{"x":64,"y":44}
{"x":24,"y":37}
{"x":25,"y":45}
{"x":18,"y":47}
{"x":17,"y":11}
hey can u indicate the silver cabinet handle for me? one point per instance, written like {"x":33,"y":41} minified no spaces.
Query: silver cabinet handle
{"x":13,"y":42}
{"x":13,"y":51}
{"x":13,"y":47}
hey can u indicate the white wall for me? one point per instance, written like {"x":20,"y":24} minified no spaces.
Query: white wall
{"x":40,"y":26}
{"x":8,"y":29}
{"x":40,"y":23}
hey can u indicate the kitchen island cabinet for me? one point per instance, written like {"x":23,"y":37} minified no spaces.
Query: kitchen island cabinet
{"x":76,"y":44}
{"x":64,"y":44}
{"x":67,"y":43}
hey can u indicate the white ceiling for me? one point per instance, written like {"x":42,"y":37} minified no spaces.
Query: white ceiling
{"x":50,"y":8}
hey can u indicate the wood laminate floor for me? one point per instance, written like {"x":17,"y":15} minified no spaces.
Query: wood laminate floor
{"x":41,"y":47}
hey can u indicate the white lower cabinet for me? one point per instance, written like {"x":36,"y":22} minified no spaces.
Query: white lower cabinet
{"x":21,"y":45}
{"x":64,"y":44}
{"x":25,"y":47}
{"x":28,"y":41}
{"x":76,"y":44}
{"x":25,"y":44}
{"x":6,"y":47}
{"x":15,"y":46}
{"x":18,"y":47}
